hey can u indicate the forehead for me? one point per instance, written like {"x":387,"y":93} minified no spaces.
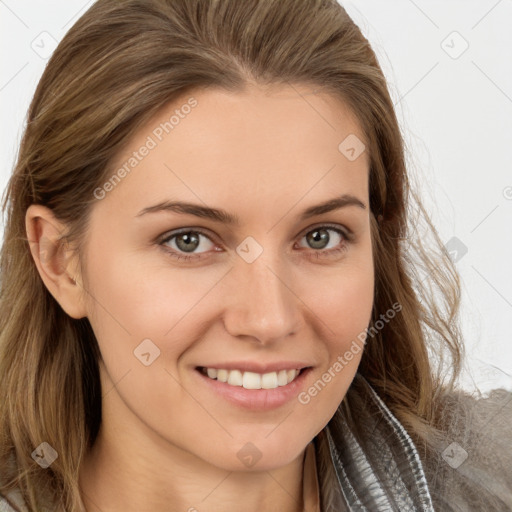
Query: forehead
{"x":277,"y":143}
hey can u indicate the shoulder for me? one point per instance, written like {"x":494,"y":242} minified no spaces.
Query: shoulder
{"x":471,"y":468}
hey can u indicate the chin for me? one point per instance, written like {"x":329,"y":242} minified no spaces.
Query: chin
{"x":261,"y":454}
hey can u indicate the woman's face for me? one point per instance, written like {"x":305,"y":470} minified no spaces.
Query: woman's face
{"x":283,"y":285}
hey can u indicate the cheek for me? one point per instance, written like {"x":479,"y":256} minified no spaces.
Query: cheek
{"x":342,"y":297}
{"x":352,"y":306}
{"x":145,"y":316}
{"x":348,"y":299}
{"x":341,"y":308}
{"x":132,"y":299}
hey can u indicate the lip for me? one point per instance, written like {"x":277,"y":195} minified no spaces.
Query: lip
{"x":252,"y":366}
{"x":255,"y":399}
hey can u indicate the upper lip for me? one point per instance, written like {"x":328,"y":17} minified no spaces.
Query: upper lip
{"x":252,"y":366}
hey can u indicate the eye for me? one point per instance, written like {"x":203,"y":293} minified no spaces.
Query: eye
{"x":186,"y":242}
{"x":183,"y":244}
{"x":319,"y":239}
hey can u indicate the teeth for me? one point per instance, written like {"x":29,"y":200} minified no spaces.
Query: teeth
{"x":282,"y":378}
{"x":212,"y":373}
{"x":235,"y":378}
{"x":269,"y":380}
{"x":251,"y":380}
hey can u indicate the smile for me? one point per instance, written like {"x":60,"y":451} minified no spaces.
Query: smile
{"x":252,"y":380}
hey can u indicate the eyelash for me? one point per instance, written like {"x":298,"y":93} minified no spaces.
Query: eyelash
{"x":320,"y":253}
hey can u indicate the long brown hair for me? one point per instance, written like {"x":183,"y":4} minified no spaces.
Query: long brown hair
{"x":114,"y":69}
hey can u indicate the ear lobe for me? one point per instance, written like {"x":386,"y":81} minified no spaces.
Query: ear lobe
{"x":54,"y":259}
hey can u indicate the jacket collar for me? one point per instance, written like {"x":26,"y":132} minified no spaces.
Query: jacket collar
{"x":374,"y":467}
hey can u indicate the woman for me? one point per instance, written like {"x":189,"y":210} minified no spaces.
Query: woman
{"x":206,"y":291}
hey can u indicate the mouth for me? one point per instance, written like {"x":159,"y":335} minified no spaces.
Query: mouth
{"x":253,"y":391}
{"x":252,"y":380}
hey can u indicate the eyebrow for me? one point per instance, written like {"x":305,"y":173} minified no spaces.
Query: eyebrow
{"x":219,"y":215}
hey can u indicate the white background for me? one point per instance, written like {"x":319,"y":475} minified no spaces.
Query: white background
{"x":455,"y":108}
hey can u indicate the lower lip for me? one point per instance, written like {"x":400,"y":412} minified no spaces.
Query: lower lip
{"x":257,"y":399}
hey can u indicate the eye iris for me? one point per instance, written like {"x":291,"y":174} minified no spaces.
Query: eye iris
{"x":318,"y":236}
{"x":189,"y":239}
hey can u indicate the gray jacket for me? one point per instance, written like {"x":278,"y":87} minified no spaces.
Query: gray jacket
{"x":378,"y":469}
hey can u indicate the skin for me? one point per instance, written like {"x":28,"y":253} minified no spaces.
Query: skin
{"x":167,"y":442}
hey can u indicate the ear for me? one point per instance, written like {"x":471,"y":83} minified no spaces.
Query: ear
{"x":54,"y":260}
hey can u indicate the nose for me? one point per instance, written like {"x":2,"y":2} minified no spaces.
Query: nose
{"x":262,"y":305}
